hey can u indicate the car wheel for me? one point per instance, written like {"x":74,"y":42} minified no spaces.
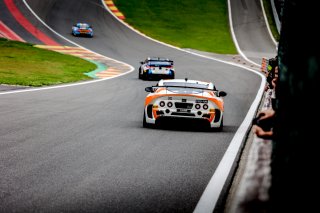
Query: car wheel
{"x":140,"y":76}
{"x":216,"y":129}
{"x":144,"y":123}
{"x":220,"y":128}
{"x":144,"y":76}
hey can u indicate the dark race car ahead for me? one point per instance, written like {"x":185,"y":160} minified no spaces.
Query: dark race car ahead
{"x":183,"y":99}
{"x":156,"y":68}
{"x":82,"y":29}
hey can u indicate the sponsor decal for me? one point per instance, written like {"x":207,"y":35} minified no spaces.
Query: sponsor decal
{"x":183,"y":110}
{"x":201,"y":101}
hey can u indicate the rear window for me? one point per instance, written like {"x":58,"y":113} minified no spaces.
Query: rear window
{"x":83,"y":26}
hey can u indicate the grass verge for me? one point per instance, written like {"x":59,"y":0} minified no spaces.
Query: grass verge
{"x":25,"y":65}
{"x":271,"y":21}
{"x":195,"y":24}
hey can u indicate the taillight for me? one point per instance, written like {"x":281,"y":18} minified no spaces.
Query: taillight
{"x":162,"y":103}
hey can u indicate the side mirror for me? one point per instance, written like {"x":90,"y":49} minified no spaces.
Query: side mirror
{"x":222,"y":94}
{"x":148,"y":89}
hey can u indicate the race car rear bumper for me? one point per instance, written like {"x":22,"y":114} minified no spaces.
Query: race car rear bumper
{"x":158,"y":76}
{"x":156,"y":116}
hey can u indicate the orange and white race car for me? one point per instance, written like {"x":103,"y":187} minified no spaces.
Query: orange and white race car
{"x":184,"y":99}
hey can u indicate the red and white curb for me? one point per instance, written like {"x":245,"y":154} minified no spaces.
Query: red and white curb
{"x":114,"y":9}
{"x":6,"y":32}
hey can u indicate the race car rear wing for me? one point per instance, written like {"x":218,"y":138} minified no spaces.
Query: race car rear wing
{"x":217,"y":92}
{"x":149,"y":59}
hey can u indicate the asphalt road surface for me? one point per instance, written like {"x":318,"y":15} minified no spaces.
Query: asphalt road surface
{"x":251,"y":30}
{"x":83,"y":148}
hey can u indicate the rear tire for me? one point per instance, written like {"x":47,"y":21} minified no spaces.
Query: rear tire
{"x":220,"y":128}
{"x":140,"y":76}
{"x":217,"y":129}
{"x":145,"y":76}
{"x":145,"y":124}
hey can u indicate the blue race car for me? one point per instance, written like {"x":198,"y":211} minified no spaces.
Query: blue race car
{"x":82,"y":29}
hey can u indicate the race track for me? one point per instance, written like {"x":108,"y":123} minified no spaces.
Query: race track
{"x":83,"y":149}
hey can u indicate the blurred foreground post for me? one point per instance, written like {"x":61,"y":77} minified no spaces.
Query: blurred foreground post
{"x":295,"y":155}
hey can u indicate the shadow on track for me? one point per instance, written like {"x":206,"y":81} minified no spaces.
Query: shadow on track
{"x":184,"y":125}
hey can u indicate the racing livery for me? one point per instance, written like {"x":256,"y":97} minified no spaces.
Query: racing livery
{"x":82,"y":29}
{"x":156,"y":68}
{"x":184,"y":99}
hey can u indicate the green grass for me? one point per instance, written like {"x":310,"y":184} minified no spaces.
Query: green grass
{"x":272,"y":24}
{"x":23,"y":64}
{"x":195,"y":24}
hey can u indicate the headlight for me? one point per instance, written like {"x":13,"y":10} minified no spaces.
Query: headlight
{"x":197,"y":106}
{"x":169,"y":104}
{"x":205,"y":106}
